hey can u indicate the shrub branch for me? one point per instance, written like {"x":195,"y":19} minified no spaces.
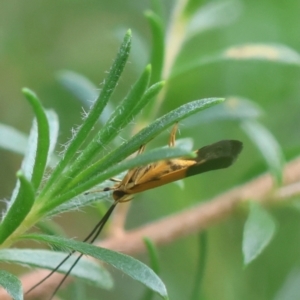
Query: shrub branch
{"x":184,"y":223}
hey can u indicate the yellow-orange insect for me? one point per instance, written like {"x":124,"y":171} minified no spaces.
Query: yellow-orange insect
{"x":212,"y":157}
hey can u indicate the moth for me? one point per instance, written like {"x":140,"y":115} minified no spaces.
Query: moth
{"x":219,"y":155}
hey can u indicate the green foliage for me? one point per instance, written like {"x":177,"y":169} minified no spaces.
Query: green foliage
{"x":259,"y":230}
{"x":86,"y":270}
{"x":12,"y":139}
{"x":268,"y":147}
{"x":158,"y":49}
{"x":91,"y":119}
{"x":154,"y":264}
{"x":48,"y":185}
{"x":12,"y":285}
{"x":19,"y":208}
{"x":43,"y":139}
{"x":74,"y":174}
{"x":202,"y":257}
{"x":261,"y":52}
{"x":124,"y":263}
{"x":153,"y":255}
{"x":290,"y":288}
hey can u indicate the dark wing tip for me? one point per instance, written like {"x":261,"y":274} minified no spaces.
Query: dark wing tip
{"x":216,"y":156}
{"x":236,"y":146}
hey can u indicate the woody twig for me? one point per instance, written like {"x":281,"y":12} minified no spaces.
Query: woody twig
{"x":192,"y":220}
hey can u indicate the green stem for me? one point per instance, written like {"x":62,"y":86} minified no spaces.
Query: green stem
{"x":174,"y":41}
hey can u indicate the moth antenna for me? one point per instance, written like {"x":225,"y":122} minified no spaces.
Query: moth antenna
{"x":96,"y":230}
{"x":173,"y":135}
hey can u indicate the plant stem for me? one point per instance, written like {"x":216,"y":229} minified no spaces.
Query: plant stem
{"x":174,"y":40}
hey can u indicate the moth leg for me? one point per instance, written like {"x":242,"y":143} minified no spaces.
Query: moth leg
{"x":120,"y":182}
{"x":115,"y":179}
{"x":131,"y":173}
{"x":141,"y":149}
{"x":173,"y":135}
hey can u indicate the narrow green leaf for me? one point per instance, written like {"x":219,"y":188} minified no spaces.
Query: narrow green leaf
{"x":12,"y":139}
{"x":93,"y":115}
{"x":28,"y":160}
{"x":50,"y":227}
{"x":213,"y":15}
{"x":80,"y":86}
{"x":158,"y":45}
{"x":128,"y":265}
{"x":18,"y":209}
{"x":16,"y":141}
{"x":79,"y":291}
{"x":259,"y":230}
{"x":290,"y":289}
{"x":84,"y":90}
{"x":43,"y":138}
{"x":153,"y":255}
{"x":154,"y":264}
{"x":157,"y":7}
{"x":84,"y":200}
{"x":87,"y":270}
{"x":123,"y":114}
{"x":140,"y":160}
{"x":266,"y":52}
{"x":198,"y":279}
{"x":96,"y":197}
{"x":260,"y":52}
{"x":140,"y":48}
{"x":151,"y":92}
{"x":54,"y":131}
{"x":268,"y":147}
{"x":191,"y":7}
{"x":162,"y":123}
{"x":234,"y":108}
{"x":11,"y":284}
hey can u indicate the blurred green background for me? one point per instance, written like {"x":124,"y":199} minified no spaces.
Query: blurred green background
{"x":38,"y":39}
